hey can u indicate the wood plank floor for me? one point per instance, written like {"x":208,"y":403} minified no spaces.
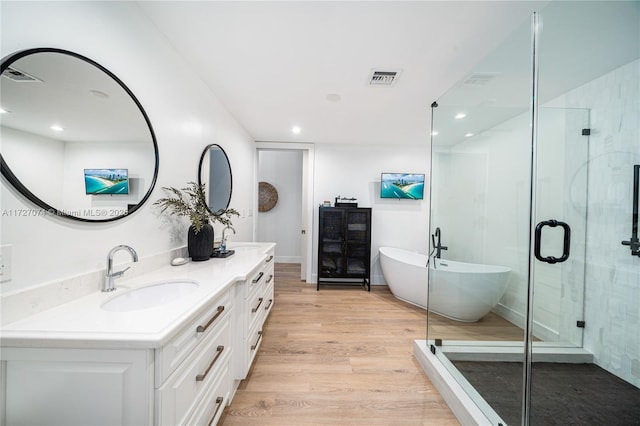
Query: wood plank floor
{"x":338,"y":356}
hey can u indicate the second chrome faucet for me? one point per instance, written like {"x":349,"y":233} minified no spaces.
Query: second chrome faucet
{"x":110,"y":276}
{"x":223,"y":242}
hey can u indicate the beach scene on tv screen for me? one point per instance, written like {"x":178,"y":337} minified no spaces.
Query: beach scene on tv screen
{"x":106,"y":181}
{"x":402,"y":185}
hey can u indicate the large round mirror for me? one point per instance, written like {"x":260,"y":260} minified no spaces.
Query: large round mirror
{"x":215,"y":172}
{"x":75,"y":140}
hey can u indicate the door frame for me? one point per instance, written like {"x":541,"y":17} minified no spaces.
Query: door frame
{"x":308,"y":162}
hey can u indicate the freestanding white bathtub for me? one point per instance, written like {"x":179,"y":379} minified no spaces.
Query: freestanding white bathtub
{"x":460,"y":291}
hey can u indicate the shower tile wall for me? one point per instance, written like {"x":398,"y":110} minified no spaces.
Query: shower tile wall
{"x":612,"y":305}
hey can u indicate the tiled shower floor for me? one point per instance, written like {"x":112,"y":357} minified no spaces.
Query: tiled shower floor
{"x":562,"y":394}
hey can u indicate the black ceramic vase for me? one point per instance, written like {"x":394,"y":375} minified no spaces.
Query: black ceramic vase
{"x":200,"y":245}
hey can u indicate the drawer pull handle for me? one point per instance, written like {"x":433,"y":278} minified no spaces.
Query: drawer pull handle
{"x":254,"y":310}
{"x":266,"y":308}
{"x":269,"y":279}
{"x":259,"y":277}
{"x":201,"y":377}
{"x":269,"y":259}
{"x":202,"y":328}
{"x":215,"y":413}
{"x":255,"y":345}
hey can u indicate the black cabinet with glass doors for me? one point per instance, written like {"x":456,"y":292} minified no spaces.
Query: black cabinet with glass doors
{"x":344,"y":246}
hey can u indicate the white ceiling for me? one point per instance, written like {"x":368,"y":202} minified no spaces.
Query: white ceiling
{"x":272,"y":64}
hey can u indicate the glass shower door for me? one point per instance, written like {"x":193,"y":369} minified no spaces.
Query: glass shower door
{"x":480,"y":217}
{"x":561,"y":221}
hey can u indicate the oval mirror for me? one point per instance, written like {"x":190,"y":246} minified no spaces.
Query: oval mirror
{"x":215,"y":172}
{"x":75,"y":140}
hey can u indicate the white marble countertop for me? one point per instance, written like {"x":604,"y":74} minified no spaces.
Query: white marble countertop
{"x":82,"y":323}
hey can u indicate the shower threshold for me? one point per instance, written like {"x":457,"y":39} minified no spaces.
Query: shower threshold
{"x":465,"y":402}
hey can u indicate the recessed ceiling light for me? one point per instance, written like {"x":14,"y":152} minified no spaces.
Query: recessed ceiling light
{"x":333,"y":97}
{"x":434,"y":133}
{"x":460,"y":115}
{"x":296,"y":130}
{"x":468,"y":135}
{"x":56,"y":128}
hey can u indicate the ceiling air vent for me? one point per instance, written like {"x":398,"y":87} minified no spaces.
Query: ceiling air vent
{"x":384,"y":78}
{"x":19,"y":76}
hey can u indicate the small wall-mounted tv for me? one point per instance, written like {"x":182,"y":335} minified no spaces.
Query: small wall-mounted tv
{"x":106,"y":181}
{"x":402,"y":185}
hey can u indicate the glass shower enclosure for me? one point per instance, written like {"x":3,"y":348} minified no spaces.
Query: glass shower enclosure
{"x":533,"y":215}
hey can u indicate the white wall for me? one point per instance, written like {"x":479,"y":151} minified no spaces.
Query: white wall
{"x":185,"y":116}
{"x":612,"y":293}
{"x":53,"y":170}
{"x":354,"y":171}
{"x":137,"y":157}
{"x":282,"y":224}
{"x":49,"y":162}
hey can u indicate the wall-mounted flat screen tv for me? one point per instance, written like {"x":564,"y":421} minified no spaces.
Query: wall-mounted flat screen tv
{"x":402,"y":185}
{"x":106,"y":181}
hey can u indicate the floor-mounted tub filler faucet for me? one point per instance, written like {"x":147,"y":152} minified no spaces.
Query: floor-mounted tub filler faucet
{"x":108,"y":280}
{"x":437,"y":245}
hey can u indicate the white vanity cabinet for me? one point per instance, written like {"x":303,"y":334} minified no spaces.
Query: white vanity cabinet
{"x":171,"y":385}
{"x":193,"y":368}
{"x":174,"y":365}
{"x":45,"y":386}
{"x":255,"y":300}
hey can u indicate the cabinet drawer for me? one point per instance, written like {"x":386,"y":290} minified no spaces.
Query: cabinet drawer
{"x":256,"y":281}
{"x":210,"y":408}
{"x":186,"y":386}
{"x":270,"y":277}
{"x":169,"y":357}
{"x":269,"y":299}
{"x":262,"y":271}
{"x":268,"y":288}
{"x":270,"y":260}
{"x":255,"y":308}
{"x":253,"y":344}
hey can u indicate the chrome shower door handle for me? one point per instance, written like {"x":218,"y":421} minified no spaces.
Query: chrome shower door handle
{"x":566,"y":241}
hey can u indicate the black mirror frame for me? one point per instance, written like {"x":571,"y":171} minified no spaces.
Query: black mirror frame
{"x":15,"y":182}
{"x":202,"y":156}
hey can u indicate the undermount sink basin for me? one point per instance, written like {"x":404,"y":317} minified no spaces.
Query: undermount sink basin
{"x":150,"y":295}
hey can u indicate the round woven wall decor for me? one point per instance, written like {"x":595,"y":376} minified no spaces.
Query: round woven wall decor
{"x":268,"y":196}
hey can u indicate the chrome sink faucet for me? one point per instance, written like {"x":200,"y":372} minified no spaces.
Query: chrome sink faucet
{"x":223,"y":242}
{"x":108,"y":280}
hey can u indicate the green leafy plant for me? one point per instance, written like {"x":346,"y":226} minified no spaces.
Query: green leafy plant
{"x":191,"y":201}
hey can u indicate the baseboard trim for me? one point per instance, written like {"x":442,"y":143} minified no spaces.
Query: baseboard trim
{"x":288,"y":259}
